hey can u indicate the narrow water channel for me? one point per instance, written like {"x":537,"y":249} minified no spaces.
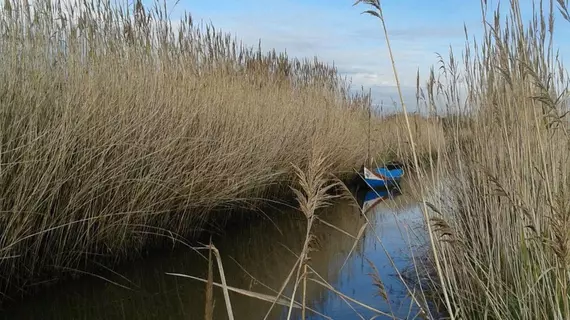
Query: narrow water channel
{"x":258,"y":258}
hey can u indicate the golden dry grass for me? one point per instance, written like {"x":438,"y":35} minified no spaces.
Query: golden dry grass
{"x":500,"y":229}
{"x":391,"y":136}
{"x":503,"y":220}
{"x":118,"y":129}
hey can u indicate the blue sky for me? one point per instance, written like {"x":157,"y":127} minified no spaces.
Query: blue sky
{"x":335,"y":31}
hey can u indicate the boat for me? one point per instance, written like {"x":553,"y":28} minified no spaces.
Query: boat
{"x":374,"y":197}
{"x":386,"y":176}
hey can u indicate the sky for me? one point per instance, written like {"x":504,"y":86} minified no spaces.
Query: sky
{"x":336,"y":32}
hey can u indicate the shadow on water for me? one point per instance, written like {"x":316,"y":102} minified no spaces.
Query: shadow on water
{"x":266,"y":251}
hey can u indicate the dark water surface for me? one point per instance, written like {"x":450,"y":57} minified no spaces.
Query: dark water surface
{"x":264,"y":250}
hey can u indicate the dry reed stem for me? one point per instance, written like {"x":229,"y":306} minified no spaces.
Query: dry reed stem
{"x":321,"y":278}
{"x":209,"y":300}
{"x":379,"y":14}
{"x":354,"y":244}
{"x":225,"y":289}
{"x":505,"y":248}
{"x":283,"y":301}
{"x":304,"y":276}
{"x":313,"y":195}
{"x":283,"y":286}
{"x":367,"y":223}
{"x":393,"y":264}
{"x":340,"y":294}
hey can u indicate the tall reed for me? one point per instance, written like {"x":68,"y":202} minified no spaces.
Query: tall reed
{"x":504,"y":221}
{"x":500,"y":229}
{"x":120,"y":127}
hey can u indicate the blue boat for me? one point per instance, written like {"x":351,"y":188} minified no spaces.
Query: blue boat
{"x":383,"y":177}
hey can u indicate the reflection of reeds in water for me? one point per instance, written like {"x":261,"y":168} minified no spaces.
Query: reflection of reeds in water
{"x":256,"y":258}
{"x":266,"y":250}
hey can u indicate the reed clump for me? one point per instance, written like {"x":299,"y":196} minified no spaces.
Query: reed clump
{"x":390,"y":135}
{"x":119,"y":127}
{"x":503,"y":220}
{"x":499,"y":231}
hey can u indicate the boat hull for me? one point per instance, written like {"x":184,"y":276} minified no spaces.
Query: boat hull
{"x":376,"y":184}
{"x":383,"y":177}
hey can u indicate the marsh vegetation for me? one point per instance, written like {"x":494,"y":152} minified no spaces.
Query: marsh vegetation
{"x":121,"y":132}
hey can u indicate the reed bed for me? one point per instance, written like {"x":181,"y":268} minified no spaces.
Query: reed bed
{"x":499,"y":228}
{"x":119,"y":129}
{"x":502,"y":222}
{"x":390,"y":134}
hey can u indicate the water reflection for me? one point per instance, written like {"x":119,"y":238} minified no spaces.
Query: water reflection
{"x":372,"y":197}
{"x":255,"y":258}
